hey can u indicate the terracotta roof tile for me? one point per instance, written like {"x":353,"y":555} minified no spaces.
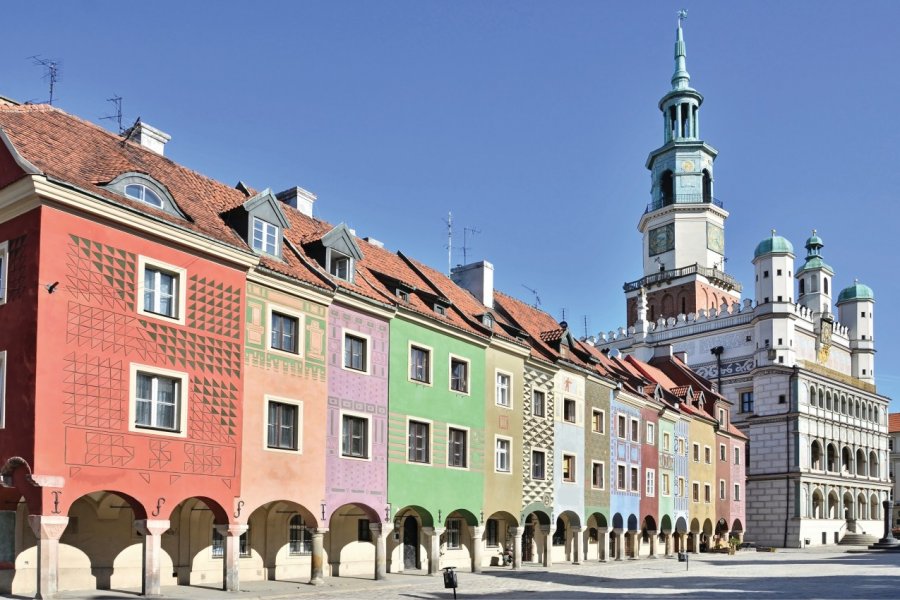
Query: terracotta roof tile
{"x":894,"y":422}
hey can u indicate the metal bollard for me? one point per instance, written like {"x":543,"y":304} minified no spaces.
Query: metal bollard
{"x":685,"y":558}
{"x":450,"y":579}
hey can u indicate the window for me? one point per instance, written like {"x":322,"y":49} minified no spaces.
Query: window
{"x":598,"y":421}
{"x":746,"y":402}
{"x":440,"y":309}
{"x":419,"y":445}
{"x":502,"y":391}
{"x":650,"y":482}
{"x":157,"y":401}
{"x":569,"y":410}
{"x":284,"y":332}
{"x":723,"y":453}
{"x":722,"y":417}
{"x":707,"y":455}
{"x":568,"y":468}
{"x":707,"y":492}
{"x":665,"y":485}
{"x":737,"y":492}
{"x":502,"y":455}
{"x":354,"y":436}
{"x":537,"y":403}
{"x":695,"y":488}
{"x":282,"y":427}
{"x":363,"y":532}
{"x":667,"y":441}
{"x":682,"y":491}
{"x":265,"y":237}
{"x":299,"y":538}
{"x":419,"y":364}
{"x":635,"y":485}
{"x":620,"y":477}
{"x":144,"y":194}
{"x":403,"y":295}
{"x":355,"y":353}
{"x":218,"y":544}
{"x":737,"y":456}
{"x":620,"y":426}
{"x":160,"y":292}
{"x":597,"y":475}
{"x":696,"y":452}
{"x":453,"y":529}
{"x":339,"y":266}
{"x":538,"y":464}
{"x":651,"y":433}
{"x":492,"y":532}
{"x":459,"y":375}
{"x":457,"y":448}
{"x":721,"y":489}
{"x":635,"y":428}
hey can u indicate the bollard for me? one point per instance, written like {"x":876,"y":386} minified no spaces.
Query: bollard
{"x":685,"y":558}
{"x":450,"y":580}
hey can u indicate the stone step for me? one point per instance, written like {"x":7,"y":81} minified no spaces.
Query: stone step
{"x":858,"y":539}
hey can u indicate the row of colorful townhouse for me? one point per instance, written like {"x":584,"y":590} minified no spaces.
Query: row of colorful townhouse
{"x":204,"y":384}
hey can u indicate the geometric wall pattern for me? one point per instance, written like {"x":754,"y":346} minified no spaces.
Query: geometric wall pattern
{"x":213,"y":307}
{"x":538,"y":434}
{"x":214,"y":410}
{"x":95,"y":392}
{"x":188,"y":349}
{"x":107,"y":449}
{"x":100,"y":274}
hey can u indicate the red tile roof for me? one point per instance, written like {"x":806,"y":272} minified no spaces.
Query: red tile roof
{"x":894,"y":423}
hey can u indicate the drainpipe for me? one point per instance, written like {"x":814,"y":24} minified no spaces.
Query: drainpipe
{"x":787,"y":455}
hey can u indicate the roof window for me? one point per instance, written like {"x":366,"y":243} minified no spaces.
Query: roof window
{"x":144,"y":194}
{"x":143,"y":188}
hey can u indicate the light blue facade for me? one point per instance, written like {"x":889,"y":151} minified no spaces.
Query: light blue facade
{"x":682,"y":432}
{"x":624,"y":452}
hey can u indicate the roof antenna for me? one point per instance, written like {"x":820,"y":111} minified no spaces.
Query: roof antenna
{"x":51,"y":72}
{"x":449,"y":222}
{"x":563,"y":314}
{"x":117,"y":102}
{"x":585,"y":326}
{"x":537,"y":299}
{"x":465,"y":248}
{"x":126,"y":135}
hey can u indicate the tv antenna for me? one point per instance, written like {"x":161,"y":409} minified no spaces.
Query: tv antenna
{"x":51,"y":72}
{"x":117,"y":103}
{"x":449,"y":222}
{"x":465,"y":249}
{"x":563,"y":314}
{"x":537,"y":299}
{"x":585,"y":326}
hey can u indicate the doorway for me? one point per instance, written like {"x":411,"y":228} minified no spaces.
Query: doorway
{"x":410,"y":543}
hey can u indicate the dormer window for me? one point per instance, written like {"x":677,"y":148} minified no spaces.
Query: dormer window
{"x":265,"y":237}
{"x":403,"y":295}
{"x":440,"y":309}
{"x":144,"y":194}
{"x":488,"y":321}
{"x":338,"y":253}
{"x":339,"y":266}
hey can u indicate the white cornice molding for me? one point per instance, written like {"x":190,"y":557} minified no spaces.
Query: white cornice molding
{"x":287,"y":286}
{"x":418,"y":319}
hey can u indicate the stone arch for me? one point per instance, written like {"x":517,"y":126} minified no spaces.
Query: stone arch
{"x":695,"y":525}
{"x":540,"y":510}
{"x":828,"y":400}
{"x":666,"y":525}
{"x":681,"y":525}
{"x":221,"y":516}
{"x":708,"y":527}
{"x":737,"y":526}
{"x":846,"y":460}
{"x":350,"y":539}
{"x":813,"y":394}
{"x":632,"y":523}
{"x":600,"y":520}
{"x":831,"y":457}
{"x":843,"y":404}
{"x":856,"y":409}
{"x":861,"y":506}
{"x":833,"y":505}
{"x":618,"y":521}
{"x":649,"y":523}
{"x":815,"y":455}
{"x":874,"y":507}
{"x":279,"y":538}
{"x":818,"y":503}
{"x":873,"y":464}
{"x":423,"y":515}
{"x":848,"y":506}
{"x":861,"y":462}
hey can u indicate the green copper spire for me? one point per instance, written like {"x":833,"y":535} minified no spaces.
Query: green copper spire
{"x":681,"y":79}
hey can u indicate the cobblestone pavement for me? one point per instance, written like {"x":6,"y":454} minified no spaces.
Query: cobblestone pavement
{"x":785,"y":574}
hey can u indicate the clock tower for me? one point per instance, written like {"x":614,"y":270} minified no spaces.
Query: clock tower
{"x":683,"y":226}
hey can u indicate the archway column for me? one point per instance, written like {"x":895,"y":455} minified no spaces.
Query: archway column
{"x":152,"y":531}
{"x":231,"y":578}
{"x":618,"y":533}
{"x":576,"y":544}
{"x":517,"y":547}
{"x":434,"y":545}
{"x":317,"y":560}
{"x":379,"y":535}
{"x":547,"y":545}
{"x":668,"y":543}
{"x":653,"y":535}
{"x":477,"y":547}
{"x":603,"y":543}
{"x":47,"y":529}
{"x":696,"y":542}
{"x":635,"y":544}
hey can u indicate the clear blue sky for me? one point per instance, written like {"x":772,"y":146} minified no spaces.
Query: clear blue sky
{"x":530,"y":121}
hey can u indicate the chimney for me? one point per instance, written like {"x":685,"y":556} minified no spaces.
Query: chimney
{"x":478,"y":278}
{"x":148,"y":136}
{"x":681,"y":355}
{"x":298,"y":198}
{"x":662,"y":351}
{"x":374,"y":242}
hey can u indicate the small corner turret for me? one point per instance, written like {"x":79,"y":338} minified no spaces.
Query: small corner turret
{"x":815,"y":278}
{"x":856,"y":304}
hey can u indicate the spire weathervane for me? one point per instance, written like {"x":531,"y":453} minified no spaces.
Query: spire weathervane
{"x":682,"y":15}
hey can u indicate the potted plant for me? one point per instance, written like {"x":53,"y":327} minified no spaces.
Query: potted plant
{"x":733,"y":543}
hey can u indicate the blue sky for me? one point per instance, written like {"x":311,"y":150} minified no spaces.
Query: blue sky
{"x":530,"y":121}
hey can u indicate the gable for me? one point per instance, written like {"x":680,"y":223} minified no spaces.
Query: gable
{"x":341,"y":240}
{"x":265,"y":206}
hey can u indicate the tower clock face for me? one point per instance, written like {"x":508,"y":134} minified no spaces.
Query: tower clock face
{"x":715,"y":238}
{"x":661,"y":239}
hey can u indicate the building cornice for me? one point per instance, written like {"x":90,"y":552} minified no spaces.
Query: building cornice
{"x":288,"y":285}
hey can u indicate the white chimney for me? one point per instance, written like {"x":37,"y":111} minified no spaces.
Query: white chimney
{"x":297,"y":197}
{"x":478,"y":278}
{"x":149,"y":137}
{"x":374,"y":242}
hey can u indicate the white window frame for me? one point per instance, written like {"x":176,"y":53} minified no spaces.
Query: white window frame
{"x":301,"y":329}
{"x":621,"y":426}
{"x":358,"y":415}
{"x":707,"y":493}
{"x":565,"y":403}
{"x":667,"y":441}
{"x":265,"y":230}
{"x":665,"y":484}
{"x":682,"y":490}
{"x":635,"y":478}
{"x":4,"y":272}
{"x":695,"y":487}
{"x":562,"y":471}
{"x":531,"y":473}
{"x":707,"y":455}
{"x":696,"y":452}
{"x":602,"y":414}
{"x":651,"y":433}
{"x":430,"y":424}
{"x":543,"y":392}
{"x":723,"y":453}
{"x":454,"y":526}
{"x":430,"y":374}
{"x":722,"y":490}
{"x":468,"y":446}
{"x":650,"y":482}
{"x":180,"y":296}
{"x":498,"y":373}
{"x":635,"y":436}
{"x":265,"y":428}
{"x":182,"y":407}
{"x":455,"y":357}
{"x":602,"y":485}
{"x":737,"y":493}
{"x":621,"y":482}
{"x":509,"y":454}
{"x":367,"y":339}
{"x":737,"y":455}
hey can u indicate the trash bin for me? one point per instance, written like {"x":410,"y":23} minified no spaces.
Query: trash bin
{"x":449,"y":578}
{"x":682,"y":557}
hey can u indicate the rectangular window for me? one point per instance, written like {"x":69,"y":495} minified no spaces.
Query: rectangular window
{"x":453,"y":528}
{"x":707,"y":493}
{"x":568,"y":468}
{"x":299,"y":538}
{"x":265,"y":237}
{"x":569,"y":410}
{"x":620,"y":477}
{"x":667,"y":441}
{"x":282,"y":426}
{"x":492,"y":532}
{"x":161,"y":292}
{"x":737,"y":456}
{"x":620,"y":426}
{"x":635,"y":429}
{"x":459,"y":375}
{"x":538,"y":465}
{"x":354,"y":436}
{"x":721,"y":489}
{"x":651,"y":433}
{"x":650,"y":482}
{"x":598,"y":421}
{"x":156,"y":401}
{"x":502,"y":455}
{"x":682,"y":492}
{"x":746,"y":402}
{"x":696,"y":452}
{"x":339,"y":266}
{"x":537,"y":403}
{"x":696,"y":491}
{"x":419,"y":364}
{"x":502,"y":391}
{"x":665,"y":485}
{"x":635,"y":479}
{"x":457,"y":448}
{"x":707,"y":455}
{"x":598,"y":474}
{"x":419,"y":444}
{"x":723,"y":453}
{"x":363,"y":532}
{"x":722,"y":417}
{"x":355,"y":353}
{"x":218,"y":544}
{"x":737,"y":492}
{"x":284,"y":332}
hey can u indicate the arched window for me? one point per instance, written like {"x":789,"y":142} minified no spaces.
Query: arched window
{"x":860,"y":463}
{"x":667,"y":188}
{"x":144,"y":194}
{"x":812,"y":396}
{"x":873,"y":464}
{"x":815,"y":455}
{"x":825,"y":281}
{"x":831,"y":458}
{"x":802,"y":286}
{"x":707,"y":186}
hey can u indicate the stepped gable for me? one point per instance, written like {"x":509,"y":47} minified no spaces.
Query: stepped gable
{"x":74,"y":151}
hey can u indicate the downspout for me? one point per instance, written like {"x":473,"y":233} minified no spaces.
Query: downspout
{"x":787,"y":453}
